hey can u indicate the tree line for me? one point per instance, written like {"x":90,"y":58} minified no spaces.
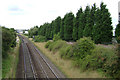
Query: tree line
{"x":8,"y":40}
{"x":94,"y":22}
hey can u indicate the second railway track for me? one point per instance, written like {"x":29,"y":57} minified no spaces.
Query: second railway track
{"x":36,"y":65}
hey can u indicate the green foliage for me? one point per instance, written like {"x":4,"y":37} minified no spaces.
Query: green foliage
{"x":84,"y":46}
{"x":48,"y":44}
{"x":48,"y":33}
{"x":75,"y":30}
{"x":26,"y":34}
{"x":8,"y":40}
{"x":102,"y":30}
{"x":40,"y":38}
{"x":94,"y":22}
{"x":62,"y":29}
{"x":68,"y":26}
{"x":117,"y":33}
{"x":66,"y":51}
{"x":56,"y":37}
{"x":6,"y":65}
{"x":55,"y":46}
{"x":33,"y":32}
{"x":57,"y":25}
{"x":88,"y":56}
{"x":81,"y":22}
{"x":23,"y":31}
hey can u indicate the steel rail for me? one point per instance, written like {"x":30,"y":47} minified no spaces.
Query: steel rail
{"x":46,"y":63}
{"x":29,"y":60}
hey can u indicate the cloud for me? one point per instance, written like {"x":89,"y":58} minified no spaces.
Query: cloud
{"x":14,"y":8}
{"x":27,"y":13}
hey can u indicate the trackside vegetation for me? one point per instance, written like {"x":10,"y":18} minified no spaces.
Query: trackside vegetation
{"x":9,"y":53}
{"x":94,"y":22}
{"x":117,"y":33}
{"x":85,"y":55}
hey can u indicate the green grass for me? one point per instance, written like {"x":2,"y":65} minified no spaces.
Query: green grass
{"x":9,"y":64}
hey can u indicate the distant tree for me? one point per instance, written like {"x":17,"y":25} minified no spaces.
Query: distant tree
{"x":68,"y":26}
{"x":48,"y":31}
{"x":8,"y":40}
{"x":75,"y":30}
{"x":57,"y":25}
{"x":82,"y":23}
{"x":117,"y":32}
{"x":62,"y":29}
{"x":23,"y":31}
{"x":33,"y":31}
{"x":102,"y":29}
{"x":76,"y":25}
{"x":88,"y":27}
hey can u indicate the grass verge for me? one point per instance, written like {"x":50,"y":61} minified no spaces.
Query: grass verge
{"x":9,"y":65}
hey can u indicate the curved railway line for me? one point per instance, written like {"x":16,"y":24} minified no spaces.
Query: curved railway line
{"x":34,"y":64}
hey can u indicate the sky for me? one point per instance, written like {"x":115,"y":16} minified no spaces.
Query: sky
{"x":24,"y":14}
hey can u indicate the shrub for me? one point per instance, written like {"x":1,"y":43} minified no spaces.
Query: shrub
{"x":83,"y":47}
{"x":104,"y":59}
{"x":48,"y":44}
{"x":54,"y":46}
{"x":40,"y":38}
{"x":8,"y":40}
{"x":58,"y":44}
{"x":118,"y":39}
{"x":26,"y":34}
{"x":65,"y":51}
{"x":56,"y":37}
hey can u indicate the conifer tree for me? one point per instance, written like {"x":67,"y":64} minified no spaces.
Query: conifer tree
{"x":62,"y":29}
{"x":82,"y":23}
{"x":68,"y":26}
{"x":102,"y":30}
{"x":75,"y":30}
{"x":88,"y":27}
{"x":57,"y":25}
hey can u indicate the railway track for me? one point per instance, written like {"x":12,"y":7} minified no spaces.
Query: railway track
{"x":36,"y":65}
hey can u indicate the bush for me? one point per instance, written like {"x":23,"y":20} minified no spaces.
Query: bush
{"x":40,"y":38}
{"x":58,"y":44}
{"x":118,"y":39}
{"x":65,"y":51}
{"x":100,"y":58}
{"x":56,"y":37}
{"x":26,"y":34}
{"x":48,"y":44}
{"x":54,"y":46}
{"x":83,"y":47}
{"x":8,"y":40}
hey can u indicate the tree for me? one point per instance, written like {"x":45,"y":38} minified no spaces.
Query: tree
{"x":8,"y":40}
{"x":62,"y":29}
{"x":117,"y":32}
{"x":81,"y":24}
{"x":68,"y":26}
{"x":23,"y":31}
{"x":76,"y":24}
{"x":33,"y":31}
{"x":102,"y":30}
{"x":75,"y":30}
{"x":88,"y":27}
{"x":57,"y":25}
{"x":48,"y":31}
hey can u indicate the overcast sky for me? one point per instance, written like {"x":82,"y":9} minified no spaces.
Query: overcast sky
{"x":24,"y":14}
